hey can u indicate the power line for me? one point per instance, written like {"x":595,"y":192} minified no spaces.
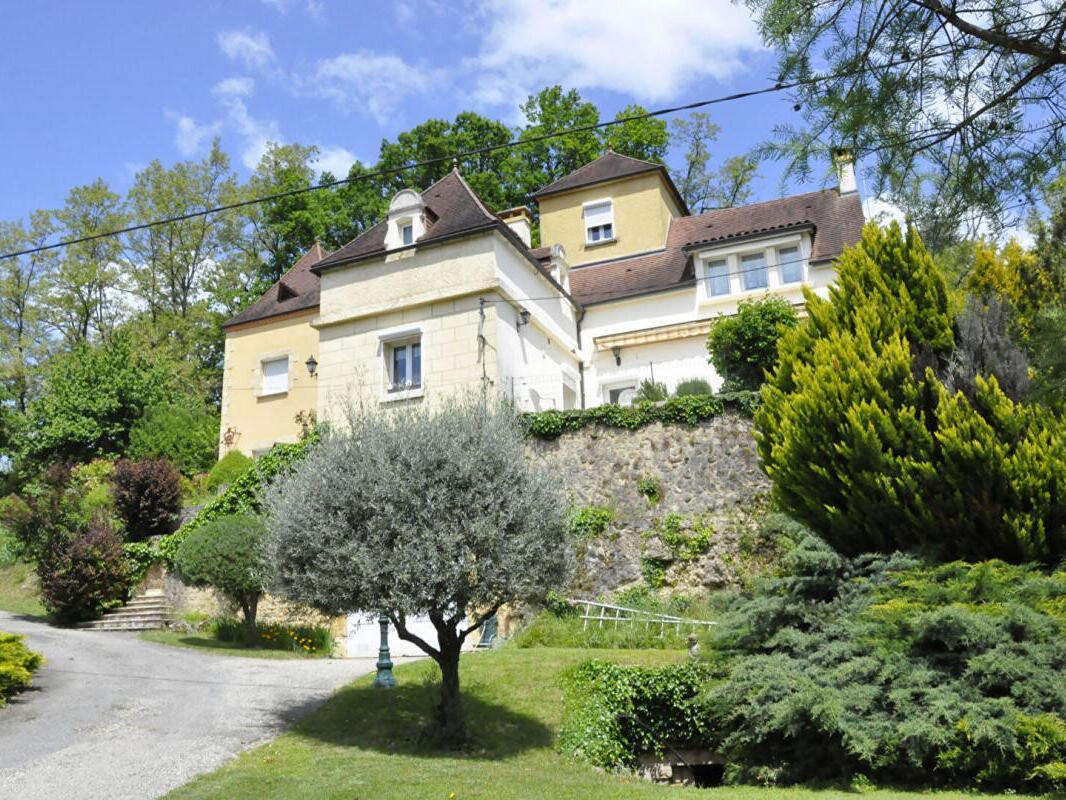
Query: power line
{"x":465,"y":154}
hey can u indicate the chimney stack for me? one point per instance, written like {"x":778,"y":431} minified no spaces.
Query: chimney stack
{"x":845,"y":164}
{"x":519,"y":220}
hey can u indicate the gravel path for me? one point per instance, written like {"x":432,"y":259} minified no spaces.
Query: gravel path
{"x":110,"y":715}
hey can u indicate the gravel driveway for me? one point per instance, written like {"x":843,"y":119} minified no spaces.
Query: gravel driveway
{"x":110,"y":715}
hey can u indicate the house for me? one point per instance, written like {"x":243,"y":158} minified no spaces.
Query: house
{"x":444,"y":294}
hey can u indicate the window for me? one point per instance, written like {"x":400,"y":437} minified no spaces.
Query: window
{"x":790,"y":264}
{"x":717,"y":277}
{"x":275,"y":376}
{"x":407,"y":233}
{"x":404,"y":364}
{"x":599,"y":222}
{"x":621,"y":395}
{"x":753,"y":271}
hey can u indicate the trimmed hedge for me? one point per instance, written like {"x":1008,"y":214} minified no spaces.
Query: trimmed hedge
{"x":244,"y":495}
{"x":686,"y":410}
{"x":17,"y":665}
{"x":612,"y":712}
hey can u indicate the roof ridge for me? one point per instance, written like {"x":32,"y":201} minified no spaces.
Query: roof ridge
{"x":757,"y":203}
{"x":480,"y":203}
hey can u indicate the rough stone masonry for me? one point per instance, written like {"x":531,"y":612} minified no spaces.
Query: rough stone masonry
{"x":684,"y":501}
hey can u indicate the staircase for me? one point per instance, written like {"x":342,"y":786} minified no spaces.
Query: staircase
{"x":148,"y":611}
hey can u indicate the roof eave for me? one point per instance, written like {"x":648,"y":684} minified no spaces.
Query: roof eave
{"x":704,"y":244}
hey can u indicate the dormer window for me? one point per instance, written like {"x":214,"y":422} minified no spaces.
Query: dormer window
{"x":406,"y":221}
{"x":599,"y":222}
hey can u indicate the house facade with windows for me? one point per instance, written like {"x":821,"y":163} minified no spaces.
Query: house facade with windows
{"x":444,"y":295}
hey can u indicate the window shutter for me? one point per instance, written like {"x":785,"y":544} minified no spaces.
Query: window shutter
{"x":276,"y":376}
{"x":599,"y":214}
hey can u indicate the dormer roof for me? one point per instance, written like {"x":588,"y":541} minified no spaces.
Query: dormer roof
{"x":298,"y":290}
{"x":451,"y":209}
{"x":609,"y":167}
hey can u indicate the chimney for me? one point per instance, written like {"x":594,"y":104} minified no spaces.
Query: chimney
{"x":560,"y":269}
{"x":845,"y":165}
{"x":519,"y":220}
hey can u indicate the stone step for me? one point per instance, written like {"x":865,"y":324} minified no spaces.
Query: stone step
{"x":123,"y":625}
{"x":148,"y":611}
{"x":137,"y":611}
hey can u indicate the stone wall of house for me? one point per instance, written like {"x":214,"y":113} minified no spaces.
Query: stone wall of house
{"x":697,"y":534}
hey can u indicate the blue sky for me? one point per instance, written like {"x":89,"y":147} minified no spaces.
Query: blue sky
{"x":99,"y":89}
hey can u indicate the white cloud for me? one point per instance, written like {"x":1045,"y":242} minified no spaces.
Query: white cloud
{"x":368,"y":82}
{"x":311,"y":7}
{"x":335,"y":160}
{"x":255,"y":134}
{"x":234,"y":87}
{"x":250,"y":47}
{"x":651,"y":52}
{"x":191,"y":136}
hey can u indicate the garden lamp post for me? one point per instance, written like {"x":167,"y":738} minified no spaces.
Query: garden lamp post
{"x":384,"y":678}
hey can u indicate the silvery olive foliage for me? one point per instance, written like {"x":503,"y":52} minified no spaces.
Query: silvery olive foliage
{"x":421,"y":511}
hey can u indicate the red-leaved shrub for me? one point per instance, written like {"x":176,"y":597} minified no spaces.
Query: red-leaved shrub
{"x":83,"y":573}
{"x":147,"y":497}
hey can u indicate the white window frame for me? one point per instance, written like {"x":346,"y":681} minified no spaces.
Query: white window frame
{"x":618,"y":384}
{"x":787,"y":261}
{"x":603,"y":221}
{"x":407,"y":227}
{"x":392,"y":388}
{"x":733,"y":255}
{"x":274,"y":385}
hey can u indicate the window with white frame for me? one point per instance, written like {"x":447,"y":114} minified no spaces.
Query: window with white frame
{"x":599,"y":222}
{"x":407,"y":233}
{"x":275,"y":376}
{"x":753,"y":271}
{"x":718,"y":277}
{"x":622,"y":395}
{"x":403,"y":364}
{"x":790,"y":264}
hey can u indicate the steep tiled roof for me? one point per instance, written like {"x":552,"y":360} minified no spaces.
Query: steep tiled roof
{"x":609,"y":167}
{"x":452,"y":209}
{"x":296,"y":291}
{"x":835,"y":221}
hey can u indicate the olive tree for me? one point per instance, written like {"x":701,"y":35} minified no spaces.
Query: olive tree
{"x":420,"y":511}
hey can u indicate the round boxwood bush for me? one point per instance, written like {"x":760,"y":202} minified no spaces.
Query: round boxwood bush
{"x":230,"y":467}
{"x":227,"y":555}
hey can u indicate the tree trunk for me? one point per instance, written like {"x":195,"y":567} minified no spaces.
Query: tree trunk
{"x":449,"y":712}
{"x":249,"y":606}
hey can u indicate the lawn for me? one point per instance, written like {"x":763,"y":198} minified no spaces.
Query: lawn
{"x":205,"y":641}
{"x":366,"y":743}
{"x":18,"y":590}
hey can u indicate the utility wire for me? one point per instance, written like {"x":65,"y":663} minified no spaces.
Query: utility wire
{"x":465,"y":154}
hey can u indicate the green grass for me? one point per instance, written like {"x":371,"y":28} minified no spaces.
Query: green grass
{"x":366,"y":743}
{"x":18,"y":590}
{"x":205,"y":641}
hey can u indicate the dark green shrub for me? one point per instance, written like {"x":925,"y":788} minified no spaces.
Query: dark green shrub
{"x":83,"y":572}
{"x":882,"y":667}
{"x":147,"y":497}
{"x":230,"y":467}
{"x":863,"y":441}
{"x":17,"y":665}
{"x":743,"y":347}
{"x":611,"y":712}
{"x":245,"y":494}
{"x":185,"y":434}
{"x":227,"y":554}
{"x":651,"y":487}
{"x":693,"y":387}
{"x":588,"y":522}
{"x":48,"y":509}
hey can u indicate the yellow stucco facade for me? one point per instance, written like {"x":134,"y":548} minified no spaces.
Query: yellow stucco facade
{"x":256,"y":416}
{"x":642,"y":207}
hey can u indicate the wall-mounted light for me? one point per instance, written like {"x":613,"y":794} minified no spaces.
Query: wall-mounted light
{"x":312,"y":366}
{"x":523,"y":318}
{"x":617,"y":353}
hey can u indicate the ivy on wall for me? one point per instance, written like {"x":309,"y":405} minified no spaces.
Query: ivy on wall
{"x":687,"y":410}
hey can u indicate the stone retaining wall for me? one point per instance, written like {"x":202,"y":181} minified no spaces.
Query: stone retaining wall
{"x":711,"y":488}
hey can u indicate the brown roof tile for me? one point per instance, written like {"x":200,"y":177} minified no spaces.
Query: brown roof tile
{"x":836,"y":221}
{"x":296,"y":291}
{"x":452,"y":208}
{"x":608,"y":167}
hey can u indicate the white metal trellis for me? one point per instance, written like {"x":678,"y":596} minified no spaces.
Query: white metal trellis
{"x":605,"y":613}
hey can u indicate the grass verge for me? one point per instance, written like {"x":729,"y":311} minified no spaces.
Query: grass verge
{"x":205,"y":641}
{"x":367,"y":743}
{"x":18,"y":590}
